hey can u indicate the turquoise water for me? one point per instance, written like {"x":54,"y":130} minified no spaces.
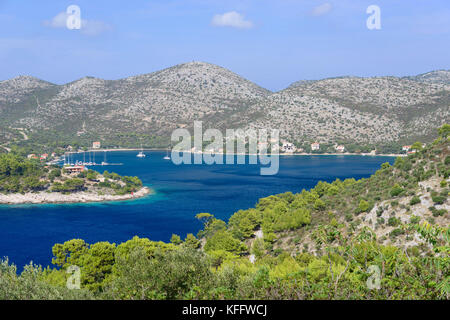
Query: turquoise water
{"x":28,"y":232}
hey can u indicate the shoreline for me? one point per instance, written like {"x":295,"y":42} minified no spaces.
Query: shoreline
{"x":58,"y":198}
{"x":221,"y":153}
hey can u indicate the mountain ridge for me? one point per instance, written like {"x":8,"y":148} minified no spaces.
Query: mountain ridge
{"x":444,"y":73}
{"x":148,"y":107}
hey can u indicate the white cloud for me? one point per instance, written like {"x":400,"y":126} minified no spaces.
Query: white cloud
{"x":88,"y":27}
{"x":322,"y":9}
{"x":231,"y":19}
{"x":59,"y":21}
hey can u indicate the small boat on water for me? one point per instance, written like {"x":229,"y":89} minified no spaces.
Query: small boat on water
{"x":167,"y":156}
{"x":104,"y":162}
{"x":141,"y":153}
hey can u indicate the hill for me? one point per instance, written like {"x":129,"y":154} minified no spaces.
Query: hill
{"x":364,"y":110}
{"x":118,"y":111}
{"x":438,"y":76}
{"x":147,"y":108}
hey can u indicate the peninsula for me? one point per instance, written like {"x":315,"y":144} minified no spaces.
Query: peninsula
{"x":29,"y":181}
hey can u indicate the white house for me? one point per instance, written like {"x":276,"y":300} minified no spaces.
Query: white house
{"x":406,"y":148}
{"x":315,"y":146}
{"x":340,"y":148}
{"x":96,"y":145}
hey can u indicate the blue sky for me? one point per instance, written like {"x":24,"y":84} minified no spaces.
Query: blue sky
{"x":272,"y":43}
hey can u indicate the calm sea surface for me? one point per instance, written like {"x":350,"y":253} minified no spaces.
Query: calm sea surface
{"x":28,"y":232}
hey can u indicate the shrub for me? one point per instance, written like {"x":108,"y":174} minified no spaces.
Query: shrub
{"x":380,"y":211}
{"x":396,"y":190}
{"x":223,"y":240}
{"x":437,"y":212}
{"x":447,"y":160}
{"x":438,"y":199}
{"x":396,"y":232}
{"x":393,"y":222}
{"x":414,"y":219}
{"x":319,"y":205}
{"x":363,"y":206}
{"x":414,"y":200}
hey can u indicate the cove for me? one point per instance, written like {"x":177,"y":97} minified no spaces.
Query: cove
{"x":28,"y":232}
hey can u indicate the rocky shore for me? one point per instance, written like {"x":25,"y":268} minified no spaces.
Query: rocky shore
{"x":76,"y":197}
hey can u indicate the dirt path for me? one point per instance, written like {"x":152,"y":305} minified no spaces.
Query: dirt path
{"x":25,"y":137}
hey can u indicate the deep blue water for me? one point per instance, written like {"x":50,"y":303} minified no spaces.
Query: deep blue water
{"x":28,"y":232}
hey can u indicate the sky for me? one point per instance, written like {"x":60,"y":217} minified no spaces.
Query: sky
{"x":272,"y":43}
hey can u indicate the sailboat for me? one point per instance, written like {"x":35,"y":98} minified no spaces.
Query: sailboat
{"x":167,"y":155}
{"x":141,"y":154}
{"x":104,"y":163}
{"x":90,"y":163}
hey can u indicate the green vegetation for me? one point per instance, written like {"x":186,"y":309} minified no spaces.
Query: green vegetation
{"x":414,"y":200}
{"x":21,"y":175}
{"x":143,"y":269}
{"x":70,"y":185}
{"x":18,"y":174}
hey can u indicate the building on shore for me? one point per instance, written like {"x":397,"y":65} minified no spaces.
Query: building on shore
{"x":406,"y":148}
{"x":340,"y":148}
{"x":315,"y":146}
{"x":96,"y":145}
{"x":74,"y":169}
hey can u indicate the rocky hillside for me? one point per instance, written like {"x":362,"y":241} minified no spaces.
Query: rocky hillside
{"x":438,"y":76}
{"x":387,"y":208}
{"x":358,"y":109}
{"x":137,"y":109}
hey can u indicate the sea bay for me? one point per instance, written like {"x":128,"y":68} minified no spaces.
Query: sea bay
{"x":28,"y":232}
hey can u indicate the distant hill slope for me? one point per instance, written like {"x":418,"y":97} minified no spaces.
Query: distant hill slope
{"x":138,"y":109}
{"x":438,"y":76}
{"x":358,"y":109}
